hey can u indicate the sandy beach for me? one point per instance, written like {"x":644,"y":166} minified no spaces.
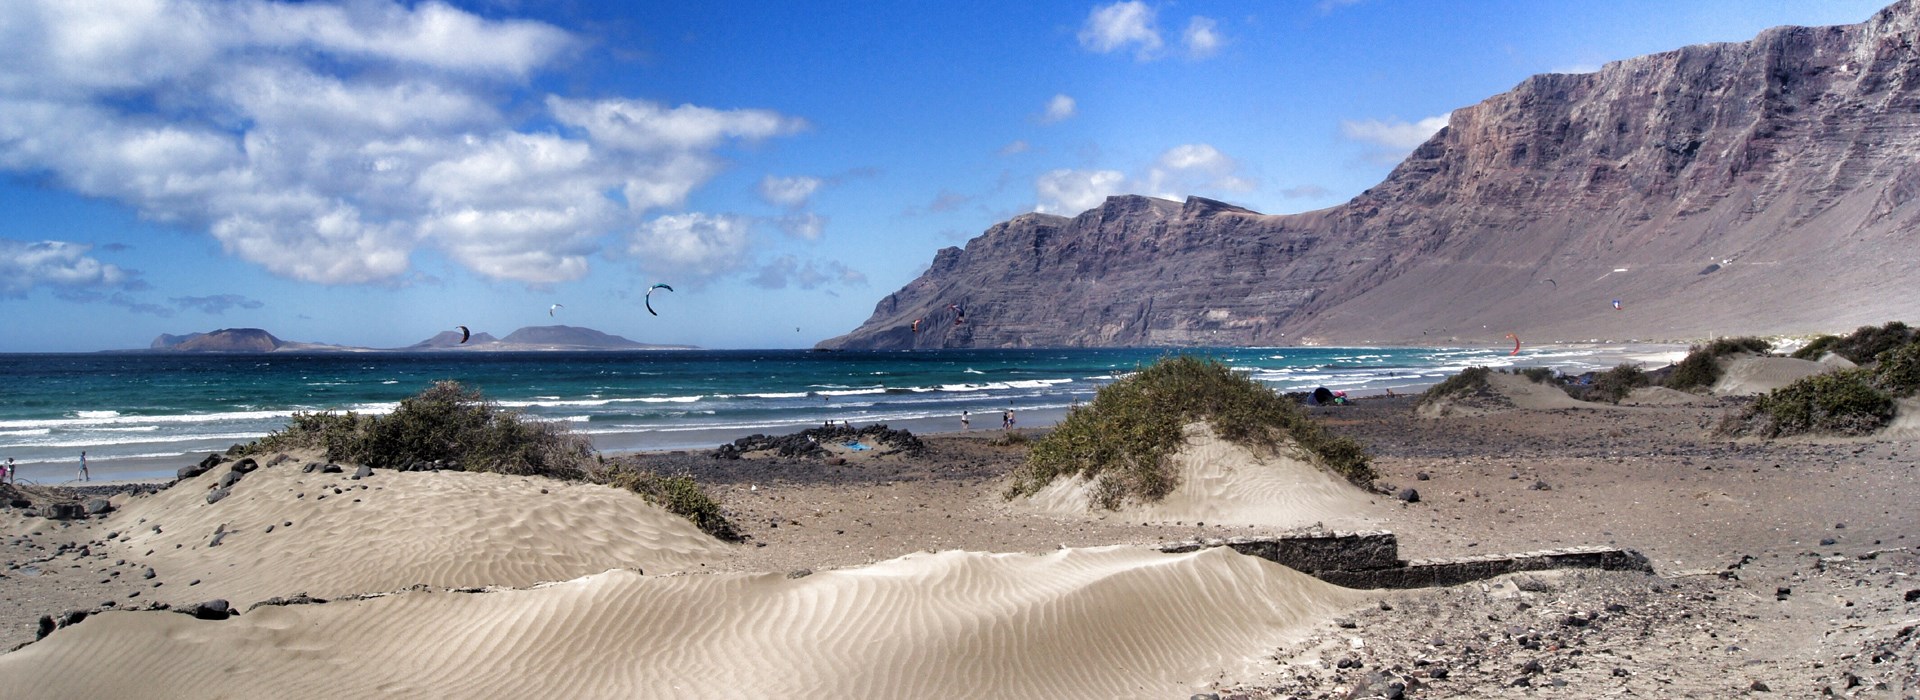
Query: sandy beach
{"x":1787,"y":565}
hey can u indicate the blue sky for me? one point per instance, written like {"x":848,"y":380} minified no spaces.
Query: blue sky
{"x":371,"y":173}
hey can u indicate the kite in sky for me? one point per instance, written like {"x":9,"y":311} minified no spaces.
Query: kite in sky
{"x":649,"y":299}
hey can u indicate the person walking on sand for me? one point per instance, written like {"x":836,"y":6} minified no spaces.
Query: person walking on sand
{"x":7,"y":476}
{"x":83,"y":467}
{"x":1011,"y":421}
{"x":1006,"y":419}
{"x":966,"y":421}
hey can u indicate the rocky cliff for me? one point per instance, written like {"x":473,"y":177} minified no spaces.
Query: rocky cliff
{"x":1767,"y":186}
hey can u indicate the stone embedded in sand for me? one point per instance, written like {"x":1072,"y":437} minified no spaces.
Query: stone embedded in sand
{"x":214,"y":496}
{"x":215,"y":609}
{"x":228,"y":479}
{"x":363,"y":472}
{"x":99,"y":506}
{"x":245,"y":465}
{"x":330,"y":469}
{"x":1409,"y":495}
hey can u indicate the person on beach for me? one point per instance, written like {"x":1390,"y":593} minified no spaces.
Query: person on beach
{"x":83,"y":467}
{"x":1006,"y":419}
{"x":7,"y":476}
{"x":966,"y":421}
{"x":1011,"y":421}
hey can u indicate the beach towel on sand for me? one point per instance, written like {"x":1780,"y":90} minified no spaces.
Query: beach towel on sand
{"x":857,"y":447}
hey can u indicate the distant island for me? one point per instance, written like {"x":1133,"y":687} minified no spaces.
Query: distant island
{"x":528,"y":339}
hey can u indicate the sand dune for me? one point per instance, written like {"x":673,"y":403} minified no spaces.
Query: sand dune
{"x":290,"y":532}
{"x":1531,"y":395}
{"x":1747,"y":375}
{"x":1660,"y":396}
{"x":1227,"y":484}
{"x":1109,"y":622}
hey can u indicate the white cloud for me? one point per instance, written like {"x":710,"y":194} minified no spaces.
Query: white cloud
{"x":787,"y":270}
{"x":1060,"y":108}
{"x":217,"y":304}
{"x":638,"y":125}
{"x":59,"y":265}
{"x":327,"y":141}
{"x":701,"y":244}
{"x":1202,"y":37}
{"x":1177,"y":173}
{"x":1394,"y":133}
{"x":1070,"y":192}
{"x":804,"y":225}
{"x":1120,"y":26}
{"x":789,"y":191}
{"x":1185,"y":169}
{"x":1014,"y":148}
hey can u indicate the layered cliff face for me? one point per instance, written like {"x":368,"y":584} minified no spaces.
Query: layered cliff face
{"x":1768,"y":186}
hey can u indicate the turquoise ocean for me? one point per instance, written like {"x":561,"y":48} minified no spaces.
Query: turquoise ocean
{"x":140,"y":415}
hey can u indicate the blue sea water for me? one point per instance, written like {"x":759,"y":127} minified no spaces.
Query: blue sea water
{"x":159,"y":411}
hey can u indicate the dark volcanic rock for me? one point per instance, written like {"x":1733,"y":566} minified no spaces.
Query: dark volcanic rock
{"x":215,"y":609}
{"x":808,"y":443}
{"x":1760,"y":155}
{"x":235,"y":340}
{"x":98,"y":506}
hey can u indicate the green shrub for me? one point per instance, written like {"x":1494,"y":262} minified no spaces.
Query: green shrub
{"x":1471,"y":381}
{"x":1833,"y":403}
{"x":1538,"y":375}
{"x":1897,"y":371}
{"x":1867,"y":342}
{"x":1817,"y":348}
{"x":461,"y":429}
{"x":1123,"y":438}
{"x":680,"y":495}
{"x":1701,"y":368}
{"x":1612,"y":385}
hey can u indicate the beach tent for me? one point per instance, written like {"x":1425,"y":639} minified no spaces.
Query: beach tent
{"x":1320,"y":397}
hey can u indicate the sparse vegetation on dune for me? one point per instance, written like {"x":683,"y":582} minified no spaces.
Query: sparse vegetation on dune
{"x":1122,"y":439}
{"x":1471,"y":381}
{"x":1864,"y":345}
{"x":1701,"y":368}
{"x":1848,"y":402}
{"x":1612,"y":385}
{"x":453,"y":427}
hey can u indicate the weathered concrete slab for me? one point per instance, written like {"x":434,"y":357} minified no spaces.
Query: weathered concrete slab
{"x":1371,"y":559}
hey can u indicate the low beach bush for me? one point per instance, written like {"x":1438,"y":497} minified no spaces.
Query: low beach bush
{"x":1897,"y":372}
{"x":1834,"y":403}
{"x":680,"y":495}
{"x":458,"y":428}
{"x":1866,"y":343}
{"x":1123,"y":438}
{"x":1701,"y":368}
{"x":1538,"y":375}
{"x":1612,"y":385}
{"x":1471,"y":381}
{"x":1816,"y":348}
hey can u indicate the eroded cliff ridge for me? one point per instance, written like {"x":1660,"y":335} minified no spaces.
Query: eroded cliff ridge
{"x":1767,"y":186}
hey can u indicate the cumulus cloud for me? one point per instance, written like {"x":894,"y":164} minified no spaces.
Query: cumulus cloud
{"x":1177,"y":173}
{"x":700,"y":244}
{"x":1202,"y":37}
{"x":789,"y":191}
{"x":1393,"y":133}
{"x":1123,"y":26}
{"x":1060,"y":108}
{"x":788,"y":271}
{"x":328,"y":141}
{"x":804,"y":225}
{"x":217,"y":304}
{"x":1186,"y":169}
{"x":1070,"y":192}
{"x":58,"y":265}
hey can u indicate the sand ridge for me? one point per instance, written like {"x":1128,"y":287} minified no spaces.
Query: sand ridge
{"x":1748,"y":375}
{"x":327,"y":535}
{"x":1106,"y":622}
{"x":1228,"y":484}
